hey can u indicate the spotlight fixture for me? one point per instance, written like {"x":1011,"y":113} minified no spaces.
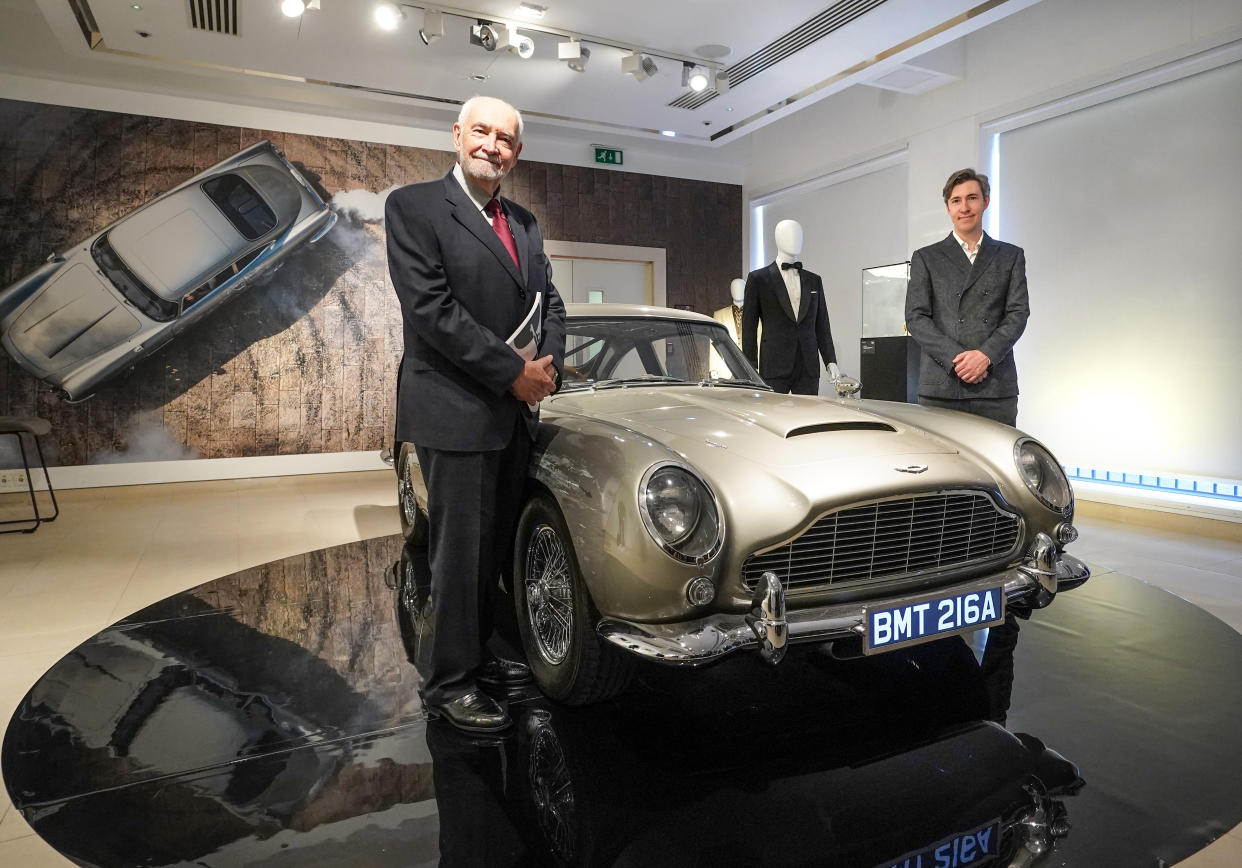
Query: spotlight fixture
{"x":720,"y":81}
{"x":638,"y":65}
{"x":388,"y":16}
{"x":519,"y":43}
{"x":293,"y":8}
{"x":433,"y":26}
{"x":574,"y":53}
{"x":485,"y":35}
{"x":693,"y":77}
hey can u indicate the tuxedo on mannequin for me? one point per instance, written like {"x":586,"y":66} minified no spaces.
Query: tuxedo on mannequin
{"x":731,"y":317}
{"x":785,"y":353}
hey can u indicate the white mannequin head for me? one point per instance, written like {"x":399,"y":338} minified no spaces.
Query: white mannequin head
{"x":737,"y":289}
{"x":788,"y":235}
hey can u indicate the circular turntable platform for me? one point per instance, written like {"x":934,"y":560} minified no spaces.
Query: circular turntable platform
{"x":271,"y":718}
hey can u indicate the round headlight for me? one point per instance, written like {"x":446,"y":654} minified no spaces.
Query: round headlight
{"x":679,"y":510}
{"x":1043,"y":475}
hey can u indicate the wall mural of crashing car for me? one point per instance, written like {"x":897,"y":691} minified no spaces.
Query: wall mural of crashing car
{"x":305,"y":362}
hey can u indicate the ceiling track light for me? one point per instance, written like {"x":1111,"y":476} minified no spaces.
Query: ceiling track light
{"x":694,"y":77}
{"x":388,"y":16}
{"x":485,"y":34}
{"x":295,"y":8}
{"x":519,"y":43}
{"x":574,"y":53}
{"x":433,"y":26}
{"x":639,"y":65}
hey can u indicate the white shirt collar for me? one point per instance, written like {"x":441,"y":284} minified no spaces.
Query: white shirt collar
{"x":477,"y":196}
{"x":970,"y":254}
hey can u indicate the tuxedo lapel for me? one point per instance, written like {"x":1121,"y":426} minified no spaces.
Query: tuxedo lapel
{"x":806,"y":297}
{"x":777,"y":284}
{"x":471,"y":218}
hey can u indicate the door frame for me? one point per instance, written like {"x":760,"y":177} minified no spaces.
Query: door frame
{"x":655,"y":256}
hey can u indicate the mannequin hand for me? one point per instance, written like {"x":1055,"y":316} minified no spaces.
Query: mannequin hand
{"x":536,"y":382}
{"x":833,"y":370}
{"x":971,"y":366}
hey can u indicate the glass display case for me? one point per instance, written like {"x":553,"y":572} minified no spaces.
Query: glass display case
{"x":889,"y":357}
{"x":884,"y":300}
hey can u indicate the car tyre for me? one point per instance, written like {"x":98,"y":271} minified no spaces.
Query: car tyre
{"x":570,"y":661}
{"x":414,"y":526}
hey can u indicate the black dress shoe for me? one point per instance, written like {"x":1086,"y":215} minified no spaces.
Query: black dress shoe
{"x":504,"y":673}
{"x":474,"y":712}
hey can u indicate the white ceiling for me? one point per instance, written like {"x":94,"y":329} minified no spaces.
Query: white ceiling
{"x":339,"y":52}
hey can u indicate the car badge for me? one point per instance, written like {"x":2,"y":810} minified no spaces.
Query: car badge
{"x":912,"y":468}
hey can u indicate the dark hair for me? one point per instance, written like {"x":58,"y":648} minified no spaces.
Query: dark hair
{"x":961,"y":176}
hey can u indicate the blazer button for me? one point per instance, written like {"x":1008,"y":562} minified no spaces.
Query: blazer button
{"x":962,"y":320}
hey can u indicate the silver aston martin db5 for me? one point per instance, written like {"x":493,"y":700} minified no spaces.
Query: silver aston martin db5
{"x":126,"y":291}
{"x":678,"y":510}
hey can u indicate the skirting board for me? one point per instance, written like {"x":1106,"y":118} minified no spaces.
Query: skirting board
{"x":197,"y":470}
{"x":1180,"y":504}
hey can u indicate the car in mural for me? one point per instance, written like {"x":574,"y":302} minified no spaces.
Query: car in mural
{"x":678,"y":510}
{"x":94,"y":311}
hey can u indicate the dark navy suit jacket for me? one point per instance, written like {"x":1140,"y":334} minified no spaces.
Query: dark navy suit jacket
{"x":461,"y":297}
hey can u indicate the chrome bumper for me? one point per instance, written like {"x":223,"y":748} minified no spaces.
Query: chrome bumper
{"x":769,"y":627}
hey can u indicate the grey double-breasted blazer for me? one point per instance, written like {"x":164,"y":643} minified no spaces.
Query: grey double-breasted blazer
{"x":952,"y":306}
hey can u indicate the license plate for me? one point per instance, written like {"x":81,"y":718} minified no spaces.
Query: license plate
{"x":921,"y":619}
{"x":956,"y":851}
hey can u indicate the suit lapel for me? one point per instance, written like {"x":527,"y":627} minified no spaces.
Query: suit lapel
{"x":777,"y":282}
{"x":987,"y":251}
{"x":472,"y":219}
{"x":805,"y":297}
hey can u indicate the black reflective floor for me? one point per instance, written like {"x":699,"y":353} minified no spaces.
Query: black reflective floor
{"x":271,"y":718}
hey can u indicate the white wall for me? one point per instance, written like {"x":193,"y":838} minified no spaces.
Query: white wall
{"x":1019,"y":65}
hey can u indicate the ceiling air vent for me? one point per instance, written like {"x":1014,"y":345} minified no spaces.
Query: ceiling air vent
{"x":693,"y":100}
{"x":812,"y":30}
{"x":214,"y":16}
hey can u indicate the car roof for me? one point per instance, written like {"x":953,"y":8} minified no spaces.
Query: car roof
{"x":182,"y":238}
{"x":576,"y":310}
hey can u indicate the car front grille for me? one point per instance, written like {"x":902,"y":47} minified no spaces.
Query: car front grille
{"x":889,"y":539}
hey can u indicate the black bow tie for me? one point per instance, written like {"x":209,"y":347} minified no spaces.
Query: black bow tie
{"x":788,"y":265}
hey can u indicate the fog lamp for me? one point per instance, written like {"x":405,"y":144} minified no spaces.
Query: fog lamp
{"x":1066,"y":533}
{"x":700,"y":591}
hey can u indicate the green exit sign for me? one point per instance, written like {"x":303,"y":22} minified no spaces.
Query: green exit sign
{"x":610,"y":156}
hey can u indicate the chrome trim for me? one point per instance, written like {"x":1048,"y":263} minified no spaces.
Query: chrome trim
{"x":649,"y":524}
{"x":767,"y":618}
{"x":704,"y":640}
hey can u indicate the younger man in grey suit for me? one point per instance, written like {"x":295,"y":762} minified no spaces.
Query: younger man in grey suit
{"x":966,"y":305}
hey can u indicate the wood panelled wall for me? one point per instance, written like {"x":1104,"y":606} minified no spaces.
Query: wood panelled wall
{"x":305,"y":363}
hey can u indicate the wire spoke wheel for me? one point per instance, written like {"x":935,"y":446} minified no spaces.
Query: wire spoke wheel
{"x":549,"y":594}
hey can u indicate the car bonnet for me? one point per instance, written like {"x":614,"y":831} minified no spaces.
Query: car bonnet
{"x":772,"y":429}
{"x":69,"y":320}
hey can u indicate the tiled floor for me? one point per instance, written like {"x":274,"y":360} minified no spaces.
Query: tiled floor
{"x":116,"y":550}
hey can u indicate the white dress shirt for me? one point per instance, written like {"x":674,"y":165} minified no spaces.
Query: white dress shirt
{"x":793,"y":285}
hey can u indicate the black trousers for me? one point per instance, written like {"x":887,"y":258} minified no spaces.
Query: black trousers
{"x":799,"y":381}
{"x":472,"y":503}
{"x":1001,"y":409}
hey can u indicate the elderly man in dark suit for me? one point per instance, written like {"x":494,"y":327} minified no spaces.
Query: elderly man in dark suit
{"x":468,"y":268}
{"x":789,"y":303}
{"x":966,"y":305}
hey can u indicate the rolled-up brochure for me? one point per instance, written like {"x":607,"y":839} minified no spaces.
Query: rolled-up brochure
{"x":525,"y":338}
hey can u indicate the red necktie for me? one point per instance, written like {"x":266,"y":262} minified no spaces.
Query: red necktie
{"x":501,"y":225}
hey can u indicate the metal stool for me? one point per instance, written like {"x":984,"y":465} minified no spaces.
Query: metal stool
{"x":34,"y":428}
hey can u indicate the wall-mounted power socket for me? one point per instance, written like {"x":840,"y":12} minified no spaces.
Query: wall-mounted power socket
{"x":13,"y":480}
